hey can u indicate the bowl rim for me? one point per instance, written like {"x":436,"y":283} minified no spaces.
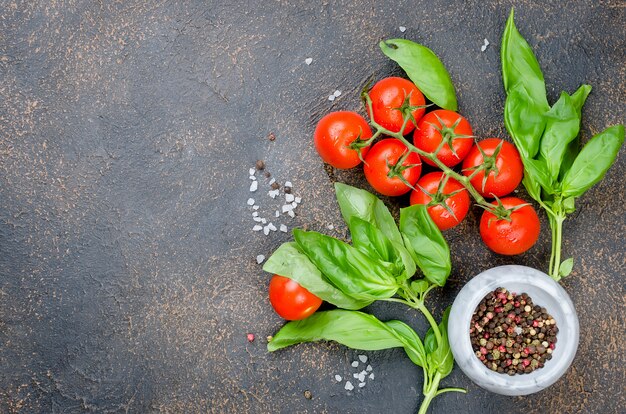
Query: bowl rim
{"x":463,"y":308}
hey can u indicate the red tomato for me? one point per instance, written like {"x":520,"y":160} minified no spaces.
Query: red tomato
{"x":505,"y":170}
{"x":290,"y":300}
{"x":335,"y":135}
{"x":514,"y":236}
{"x":385,"y":154}
{"x":389,"y":94}
{"x":458,"y":203}
{"x":447,"y":126}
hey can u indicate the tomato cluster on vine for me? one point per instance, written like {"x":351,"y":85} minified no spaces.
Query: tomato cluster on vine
{"x":442,"y":139}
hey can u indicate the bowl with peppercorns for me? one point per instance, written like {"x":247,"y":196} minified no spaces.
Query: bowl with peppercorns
{"x":513,"y":330}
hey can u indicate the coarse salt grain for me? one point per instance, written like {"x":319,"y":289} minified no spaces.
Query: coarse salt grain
{"x":252,"y":177}
{"x":272,"y":181}
{"x":252,"y":171}
{"x":277,"y":213}
{"x":272,"y":193}
{"x":260,"y":258}
{"x":294,"y":204}
{"x":361,"y":384}
{"x":331,"y":98}
{"x":355,"y":375}
{"x":355,"y":364}
{"x":349,"y":386}
{"x":298,"y":200}
{"x":283,"y":228}
{"x":372,"y":376}
{"x":255,"y":207}
{"x":288,"y":184}
{"x":361,"y":377}
{"x":291,"y":213}
{"x":266,"y":230}
{"x":253,"y":186}
{"x":263,"y":221}
{"x":338,"y":378}
{"x":272,"y":227}
{"x":308,"y":61}
{"x":402,"y":29}
{"x":363,"y":358}
{"x":289,"y":198}
{"x":257,"y":228}
{"x":255,"y":214}
{"x":287,"y":207}
{"x":369,"y":368}
{"x":250,"y":201}
{"x":331,"y":227}
{"x":337,"y":93}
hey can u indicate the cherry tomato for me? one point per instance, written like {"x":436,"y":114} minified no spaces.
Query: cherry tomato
{"x":290,"y":300}
{"x":458,"y":203}
{"x":505,"y":170}
{"x":335,"y":135}
{"x":389,"y":94}
{"x":385,"y":154}
{"x":447,"y":126}
{"x":514,"y":236}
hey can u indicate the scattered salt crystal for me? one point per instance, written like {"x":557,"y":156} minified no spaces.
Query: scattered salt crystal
{"x":266,"y":230}
{"x":372,"y":376}
{"x":255,"y":207}
{"x":331,"y":98}
{"x":337,"y":93}
{"x":331,"y":227}
{"x":361,"y":377}
{"x":361,"y":384}
{"x":272,"y":193}
{"x":251,"y":201}
{"x":272,"y":181}
{"x":349,"y":386}
{"x":255,"y":214}
{"x":294,"y":204}
{"x":369,"y":368}
{"x":252,"y":177}
{"x":484,"y":46}
{"x":355,"y":375}
{"x":402,"y":29}
{"x":253,"y":186}
{"x":277,"y":214}
{"x":272,"y":227}
{"x":338,"y":378}
{"x":288,"y":184}
{"x":289,"y":198}
{"x":308,"y":61}
{"x":260,"y":258}
{"x":251,"y":171}
{"x":355,"y":364}
{"x":298,"y":200}
{"x":263,"y":221}
{"x":362,"y":358}
{"x":283,"y":228}
{"x":257,"y":219}
{"x":291,"y":213}
{"x":287,"y":207}
{"x":257,"y":228}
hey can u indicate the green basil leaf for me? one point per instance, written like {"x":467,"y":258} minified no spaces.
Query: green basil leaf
{"x":424,"y":68}
{"x":426,"y":244}
{"x":525,"y":121}
{"x":537,"y":172}
{"x":593,"y":161}
{"x":366,"y":206}
{"x":414,"y":348}
{"x":569,"y":205}
{"x":439,"y":356}
{"x":562,"y":126}
{"x":289,"y":261}
{"x":353,"y":329}
{"x":346,"y":267}
{"x":420,"y":286}
{"x":526,"y":102}
{"x":566,"y":267}
{"x":573,"y":148}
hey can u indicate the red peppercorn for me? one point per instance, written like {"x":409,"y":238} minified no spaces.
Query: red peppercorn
{"x":552,"y":346}
{"x":501,"y":348}
{"x":518,"y":319}
{"x":483,"y":350}
{"x":516,"y":304}
{"x":525,"y":362}
{"x":535,"y":323}
{"x":508,"y":362}
{"x":486,"y":335}
{"x":527,"y":351}
{"x":250,"y":337}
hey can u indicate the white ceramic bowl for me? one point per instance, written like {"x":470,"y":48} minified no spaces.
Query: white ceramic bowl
{"x":544,"y":292}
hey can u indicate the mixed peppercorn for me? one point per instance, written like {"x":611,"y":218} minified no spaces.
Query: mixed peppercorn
{"x":510,"y":334}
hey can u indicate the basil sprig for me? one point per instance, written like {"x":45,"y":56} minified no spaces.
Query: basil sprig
{"x":556,"y":170}
{"x":381,"y":264}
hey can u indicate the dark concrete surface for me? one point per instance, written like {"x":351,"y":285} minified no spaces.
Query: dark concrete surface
{"x":128,"y":279}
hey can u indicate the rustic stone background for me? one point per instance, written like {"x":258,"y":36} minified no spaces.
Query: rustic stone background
{"x":127,"y":272}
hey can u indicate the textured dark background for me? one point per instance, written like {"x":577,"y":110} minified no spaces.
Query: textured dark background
{"x":127,"y":272}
